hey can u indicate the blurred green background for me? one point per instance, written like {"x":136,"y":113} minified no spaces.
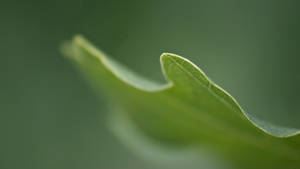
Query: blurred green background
{"x":50,"y":118}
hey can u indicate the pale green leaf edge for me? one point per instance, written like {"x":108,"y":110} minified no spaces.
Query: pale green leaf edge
{"x":145,"y":85}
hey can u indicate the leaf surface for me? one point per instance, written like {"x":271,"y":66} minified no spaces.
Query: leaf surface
{"x":188,"y":110}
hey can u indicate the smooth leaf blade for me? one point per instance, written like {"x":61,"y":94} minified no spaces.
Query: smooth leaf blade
{"x":189,"y":110}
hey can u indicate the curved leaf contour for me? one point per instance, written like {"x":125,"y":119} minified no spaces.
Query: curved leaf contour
{"x":189,"y":110}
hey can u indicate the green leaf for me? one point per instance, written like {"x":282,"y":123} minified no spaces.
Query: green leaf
{"x":188,"y":110}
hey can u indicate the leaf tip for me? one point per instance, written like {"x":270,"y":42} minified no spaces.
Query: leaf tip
{"x":166,"y":56}
{"x":69,"y":48}
{"x":78,"y":38}
{"x":165,"y":60}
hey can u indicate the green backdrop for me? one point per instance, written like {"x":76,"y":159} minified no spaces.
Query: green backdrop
{"x":51,"y":119}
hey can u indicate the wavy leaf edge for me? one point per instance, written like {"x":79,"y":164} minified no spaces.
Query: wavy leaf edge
{"x":138,"y":82}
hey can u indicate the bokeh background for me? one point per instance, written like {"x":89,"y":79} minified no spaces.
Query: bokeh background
{"x":49,"y":116}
